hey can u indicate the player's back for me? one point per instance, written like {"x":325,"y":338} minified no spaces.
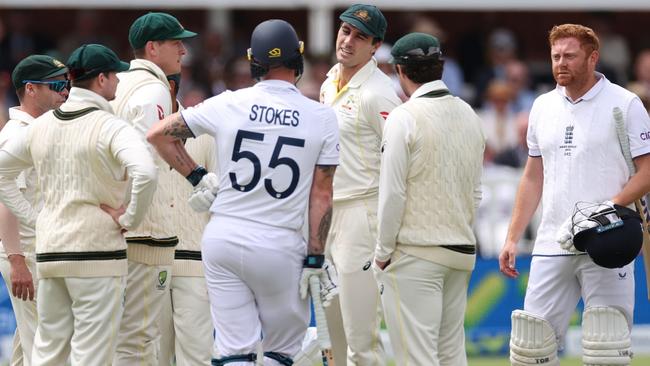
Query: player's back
{"x":269,"y":139}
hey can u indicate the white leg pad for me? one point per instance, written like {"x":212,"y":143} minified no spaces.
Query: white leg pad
{"x":605,"y":337}
{"x":532,"y":341}
{"x":309,"y":356}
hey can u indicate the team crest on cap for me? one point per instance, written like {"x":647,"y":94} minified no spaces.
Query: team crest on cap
{"x":363,"y":15}
{"x":275,"y":52}
{"x":58,"y":63}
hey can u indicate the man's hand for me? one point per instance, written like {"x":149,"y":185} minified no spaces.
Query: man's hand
{"x":381,"y":265}
{"x":316,"y":265}
{"x":579,"y":221}
{"x":329,"y":280}
{"x":204,"y":193}
{"x":115,"y":214}
{"x":507,"y":260}
{"x":22,"y":284}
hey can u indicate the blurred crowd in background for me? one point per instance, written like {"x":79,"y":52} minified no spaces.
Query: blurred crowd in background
{"x":490,"y":71}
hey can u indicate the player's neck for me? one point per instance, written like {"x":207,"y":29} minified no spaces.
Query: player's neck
{"x":281,"y":73}
{"x":32,"y":110}
{"x":578,"y":90}
{"x":346,"y":73}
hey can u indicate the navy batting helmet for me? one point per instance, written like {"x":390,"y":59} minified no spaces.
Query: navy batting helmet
{"x":275,"y":43}
{"x":615,"y":241}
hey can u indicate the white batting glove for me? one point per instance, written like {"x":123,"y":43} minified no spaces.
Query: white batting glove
{"x":329,"y":280}
{"x":204,"y":193}
{"x":580,"y":220}
{"x":317,"y":265}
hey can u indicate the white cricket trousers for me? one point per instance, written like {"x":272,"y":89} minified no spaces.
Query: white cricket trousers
{"x":139,"y":337}
{"x":185,"y":324}
{"x":351,"y":241}
{"x":25,"y":313}
{"x":253,"y":274}
{"x":556,"y":284}
{"x":424,"y":307}
{"x":79,"y":318}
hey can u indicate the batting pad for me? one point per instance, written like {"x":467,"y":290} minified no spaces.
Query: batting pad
{"x":532,"y":341}
{"x":605,"y":337}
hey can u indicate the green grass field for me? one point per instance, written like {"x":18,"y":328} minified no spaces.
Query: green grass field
{"x":636,"y":361}
{"x":484,"y":361}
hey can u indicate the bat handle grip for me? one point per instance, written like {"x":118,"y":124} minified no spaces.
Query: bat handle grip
{"x":319,"y":314}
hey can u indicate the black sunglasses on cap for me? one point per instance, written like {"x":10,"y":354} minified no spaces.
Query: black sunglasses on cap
{"x":54,"y":85}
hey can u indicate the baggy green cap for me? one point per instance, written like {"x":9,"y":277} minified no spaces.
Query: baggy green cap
{"x":415,"y":47}
{"x":156,"y":27}
{"x":366,"y":18}
{"x":37,"y":68}
{"x":89,"y":60}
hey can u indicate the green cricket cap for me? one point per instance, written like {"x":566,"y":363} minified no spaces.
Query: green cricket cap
{"x":415,"y":47}
{"x":156,"y":27}
{"x":89,"y":60}
{"x":37,"y":68}
{"x":366,"y":18}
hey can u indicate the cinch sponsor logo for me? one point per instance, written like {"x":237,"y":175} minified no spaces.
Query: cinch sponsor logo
{"x":645,"y":135}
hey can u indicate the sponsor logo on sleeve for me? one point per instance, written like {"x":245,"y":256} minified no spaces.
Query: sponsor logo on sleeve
{"x":161,"y":113}
{"x":645,"y":136}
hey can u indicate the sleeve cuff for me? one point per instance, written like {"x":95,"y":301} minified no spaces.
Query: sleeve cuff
{"x":126,"y":221}
{"x":383,"y":254}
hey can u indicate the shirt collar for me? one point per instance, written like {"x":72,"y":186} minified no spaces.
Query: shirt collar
{"x":590,"y":94}
{"x":17,"y":114}
{"x":277,"y":85}
{"x":358,"y":78}
{"x":83,"y":98}
{"x":428,"y":87}
{"x":141,"y":63}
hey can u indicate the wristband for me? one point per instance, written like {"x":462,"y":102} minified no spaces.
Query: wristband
{"x":196,"y":175}
{"x":314,"y":261}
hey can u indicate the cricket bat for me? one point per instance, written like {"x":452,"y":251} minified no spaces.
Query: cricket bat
{"x":640,"y":204}
{"x":321,"y":322}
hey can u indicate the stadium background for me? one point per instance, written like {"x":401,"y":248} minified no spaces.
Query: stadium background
{"x":478,"y":38}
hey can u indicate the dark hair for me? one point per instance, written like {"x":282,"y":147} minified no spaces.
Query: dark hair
{"x":20,"y":92}
{"x":423,"y":72}
{"x":86,"y":83}
{"x":139,"y":52}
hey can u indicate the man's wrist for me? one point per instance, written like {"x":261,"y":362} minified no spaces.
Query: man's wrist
{"x":314,"y":261}
{"x":196,"y":175}
{"x":13,"y":257}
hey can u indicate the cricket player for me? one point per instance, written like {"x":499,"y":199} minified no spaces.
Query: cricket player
{"x":185,"y":323}
{"x":362,"y":96}
{"x":429,"y":189}
{"x":277,"y":153}
{"x":144,"y":97}
{"x":83,"y":157}
{"x":575,"y":156}
{"x":41,"y":85}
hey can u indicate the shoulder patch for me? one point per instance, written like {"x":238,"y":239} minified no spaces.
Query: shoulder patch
{"x":384,"y":115}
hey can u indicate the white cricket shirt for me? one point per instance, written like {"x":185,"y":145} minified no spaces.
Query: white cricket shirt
{"x":269,"y":139}
{"x":581,"y":153}
{"x":361,"y":107}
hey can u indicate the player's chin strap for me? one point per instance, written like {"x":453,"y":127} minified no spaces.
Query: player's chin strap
{"x":252,"y":357}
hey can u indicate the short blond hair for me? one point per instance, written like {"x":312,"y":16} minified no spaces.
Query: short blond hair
{"x":585,"y":35}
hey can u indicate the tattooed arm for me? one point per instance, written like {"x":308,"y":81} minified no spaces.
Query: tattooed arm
{"x":167,"y":137}
{"x":320,"y":208}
